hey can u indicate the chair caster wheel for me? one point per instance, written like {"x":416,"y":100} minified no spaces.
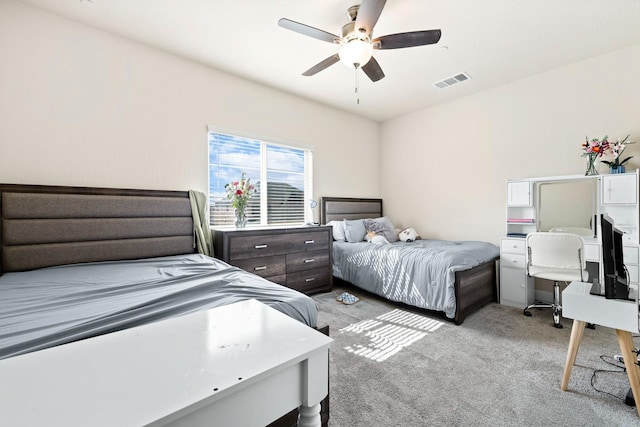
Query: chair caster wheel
{"x":591,"y":326}
{"x":557,"y":325}
{"x":527,"y":313}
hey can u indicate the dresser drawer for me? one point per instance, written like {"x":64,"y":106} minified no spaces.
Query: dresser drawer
{"x":298,"y":257}
{"x":301,"y":261}
{"x":242,"y":247}
{"x":308,"y":280}
{"x":630,"y":254}
{"x":263,"y":266}
{"x":513,"y":246}
{"x":280,"y":280}
{"x":513,"y":261}
{"x":310,"y":241}
{"x":592,"y":253}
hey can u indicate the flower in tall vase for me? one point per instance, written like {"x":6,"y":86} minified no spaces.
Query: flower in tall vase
{"x":616,"y":165}
{"x":240,"y":192}
{"x":592,"y":149}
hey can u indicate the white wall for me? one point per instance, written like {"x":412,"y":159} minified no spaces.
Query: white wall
{"x":79,"y":106}
{"x":444,"y":168}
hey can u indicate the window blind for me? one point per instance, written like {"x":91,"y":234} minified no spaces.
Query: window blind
{"x":281,"y":175}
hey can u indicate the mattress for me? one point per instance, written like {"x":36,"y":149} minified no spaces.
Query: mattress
{"x":419,"y":273}
{"x":52,"y":306}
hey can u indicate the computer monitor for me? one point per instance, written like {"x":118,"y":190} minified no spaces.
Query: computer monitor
{"x":614,"y":271}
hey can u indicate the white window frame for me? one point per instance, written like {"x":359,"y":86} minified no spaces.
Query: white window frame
{"x":264,"y":143}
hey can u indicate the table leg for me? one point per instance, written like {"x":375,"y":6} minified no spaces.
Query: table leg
{"x":577,"y":330}
{"x":309,"y":416}
{"x":630,"y":359}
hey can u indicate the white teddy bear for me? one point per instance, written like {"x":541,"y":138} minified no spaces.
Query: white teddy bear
{"x":408,"y":235}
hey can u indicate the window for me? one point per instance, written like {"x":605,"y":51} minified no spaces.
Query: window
{"x":280,"y":173}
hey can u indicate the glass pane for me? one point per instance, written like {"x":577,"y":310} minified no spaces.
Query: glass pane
{"x":284,"y":189}
{"x":285,"y":159}
{"x":229,"y":157}
{"x":285,"y":185}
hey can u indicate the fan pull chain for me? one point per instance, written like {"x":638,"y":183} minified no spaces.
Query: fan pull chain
{"x":357,"y":88}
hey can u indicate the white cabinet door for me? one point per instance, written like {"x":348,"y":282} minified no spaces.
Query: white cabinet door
{"x":519,"y":193}
{"x":619,"y":189}
{"x":513,"y":287}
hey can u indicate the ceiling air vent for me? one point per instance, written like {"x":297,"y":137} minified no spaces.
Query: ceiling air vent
{"x":450,"y":81}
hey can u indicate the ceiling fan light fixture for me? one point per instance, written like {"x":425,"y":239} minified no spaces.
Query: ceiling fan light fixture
{"x":355,"y":53}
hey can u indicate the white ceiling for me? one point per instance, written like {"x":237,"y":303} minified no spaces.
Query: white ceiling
{"x":494,"y":41}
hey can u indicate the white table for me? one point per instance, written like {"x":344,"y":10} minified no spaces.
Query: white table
{"x":621,"y":315}
{"x":243,"y":364}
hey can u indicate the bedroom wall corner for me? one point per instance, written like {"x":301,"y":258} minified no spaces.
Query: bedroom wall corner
{"x":464,"y":151}
{"x":82,"y":107}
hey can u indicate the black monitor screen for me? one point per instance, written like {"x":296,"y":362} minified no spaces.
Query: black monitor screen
{"x":615,"y":277}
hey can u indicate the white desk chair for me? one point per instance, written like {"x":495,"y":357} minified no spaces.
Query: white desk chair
{"x":580,"y":231}
{"x":558,"y":257}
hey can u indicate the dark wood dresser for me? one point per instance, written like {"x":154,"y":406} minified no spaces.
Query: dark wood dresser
{"x":296,"y":257}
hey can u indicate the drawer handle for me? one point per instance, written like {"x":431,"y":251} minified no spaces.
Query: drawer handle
{"x":262,"y":267}
{"x":309,"y":260}
{"x":310,"y":279}
{"x":514,"y":261}
{"x":260,"y":246}
{"x":309,"y":242}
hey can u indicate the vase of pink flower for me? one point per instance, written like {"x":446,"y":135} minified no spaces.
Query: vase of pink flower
{"x":240,"y":192}
{"x":592,"y":149}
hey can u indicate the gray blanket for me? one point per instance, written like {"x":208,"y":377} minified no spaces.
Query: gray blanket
{"x":419,"y":273}
{"x":57,"y":305}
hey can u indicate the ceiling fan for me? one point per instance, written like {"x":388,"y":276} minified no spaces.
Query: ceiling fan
{"x":357,"y":44}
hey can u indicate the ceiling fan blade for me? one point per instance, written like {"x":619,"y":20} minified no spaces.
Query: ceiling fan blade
{"x":308,"y":31}
{"x":400,"y":40}
{"x":322,"y":65}
{"x":368,"y":15}
{"x":372,"y":70}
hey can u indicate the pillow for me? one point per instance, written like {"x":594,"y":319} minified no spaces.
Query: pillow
{"x":354,"y":230}
{"x":338,"y":230}
{"x":382,"y":226}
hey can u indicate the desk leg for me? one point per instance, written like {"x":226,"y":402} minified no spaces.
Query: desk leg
{"x":630,"y":358}
{"x":309,"y":416}
{"x":315,"y":380}
{"x":577,"y":330}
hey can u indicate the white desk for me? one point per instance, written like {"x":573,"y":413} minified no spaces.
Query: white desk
{"x":621,"y":315}
{"x":243,"y":364}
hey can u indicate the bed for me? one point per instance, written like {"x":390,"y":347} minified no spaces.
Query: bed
{"x":79,"y":262}
{"x":452,"y":278}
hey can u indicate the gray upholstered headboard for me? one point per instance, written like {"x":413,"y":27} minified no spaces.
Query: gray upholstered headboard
{"x":43,"y":226}
{"x":339,"y":208}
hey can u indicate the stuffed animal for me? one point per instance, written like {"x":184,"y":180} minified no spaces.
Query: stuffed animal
{"x":409,"y":235}
{"x":376,"y":239}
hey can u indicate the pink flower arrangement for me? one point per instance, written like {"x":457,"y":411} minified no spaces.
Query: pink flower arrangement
{"x":595,"y":147}
{"x":239,"y":192}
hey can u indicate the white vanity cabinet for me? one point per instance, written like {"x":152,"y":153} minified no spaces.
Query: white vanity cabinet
{"x":516,"y":288}
{"x":619,"y":194}
{"x":541,"y":203}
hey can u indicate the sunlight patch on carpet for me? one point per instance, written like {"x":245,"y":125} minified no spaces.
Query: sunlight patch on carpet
{"x":389,"y":333}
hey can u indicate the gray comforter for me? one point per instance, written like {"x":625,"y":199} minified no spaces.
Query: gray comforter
{"x":419,"y":273}
{"x":52,"y":306}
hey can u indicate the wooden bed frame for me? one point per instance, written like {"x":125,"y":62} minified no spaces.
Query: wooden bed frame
{"x":474,"y":288}
{"x":43,"y":226}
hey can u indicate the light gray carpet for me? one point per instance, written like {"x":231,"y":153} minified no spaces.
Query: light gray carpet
{"x":498,"y":368}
